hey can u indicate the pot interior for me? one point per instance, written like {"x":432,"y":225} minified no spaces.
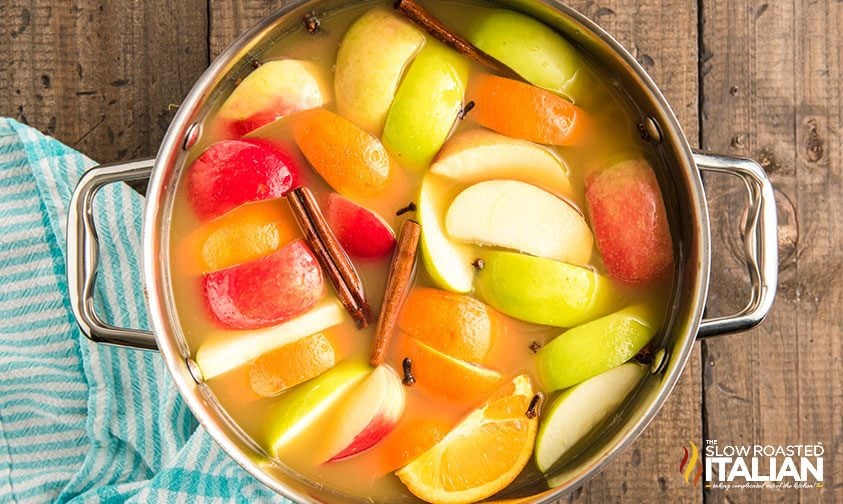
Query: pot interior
{"x":683,"y":199}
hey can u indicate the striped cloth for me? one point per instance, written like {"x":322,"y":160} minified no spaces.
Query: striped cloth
{"x":81,"y":422}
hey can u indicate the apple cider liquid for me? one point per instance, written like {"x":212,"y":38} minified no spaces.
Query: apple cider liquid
{"x":615,"y":135}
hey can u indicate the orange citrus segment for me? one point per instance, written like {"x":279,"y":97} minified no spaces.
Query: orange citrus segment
{"x":443,"y":376}
{"x":454,"y":324}
{"x":481,"y":455}
{"x":410,"y":439}
{"x":293,"y":363}
{"x":350,"y":160}
{"x":244,"y":234}
{"x":520,"y":110}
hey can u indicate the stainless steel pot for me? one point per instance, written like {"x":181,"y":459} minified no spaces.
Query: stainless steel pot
{"x":682,"y":183}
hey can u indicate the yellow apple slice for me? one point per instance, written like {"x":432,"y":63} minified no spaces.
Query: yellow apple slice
{"x":226,"y":351}
{"x":476,"y":155}
{"x":522,"y":217}
{"x":448,"y":263}
{"x":370,"y":63}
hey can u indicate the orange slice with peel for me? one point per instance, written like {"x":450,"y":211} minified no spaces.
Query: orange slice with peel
{"x":520,"y":110}
{"x":481,"y":455}
{"x":411,"y":438}
{"x":455,"y":324}
{"x":293,"y":363}
{"x":248,"y":232}
{"x":446,"y":377}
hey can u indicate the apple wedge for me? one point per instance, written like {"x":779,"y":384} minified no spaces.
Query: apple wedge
{"x":576,"y":412}
{"x":426,"y":105}
{"x":596,"y":347}
{"x":536,"y":52}
{"x":226,"y":351}
{"x":476,"y":155}
{"x":520,"y":216}
{"x":299,"y":408}
{"x":543,"y":291}
{"x":273,"y":90}
{"x":371,"y":60}
{"x":367,"y":414}
{"x":447,"y":263}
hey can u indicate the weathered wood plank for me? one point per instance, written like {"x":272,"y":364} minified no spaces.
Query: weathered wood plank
{"x":647,"y":471}
{"x":100,"y":75}
{"x":230,"y":18}
{"x":772,"y":85}
{"x":663,"y":37}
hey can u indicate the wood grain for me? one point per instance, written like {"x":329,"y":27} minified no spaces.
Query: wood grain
{"x":100,"y":75}
{"x":662,"y":35}
{"x":230,"y":18}
{"x":772,"y":86}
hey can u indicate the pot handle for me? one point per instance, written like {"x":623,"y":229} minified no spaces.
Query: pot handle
{"x":760,"y":243}
{"x":83,"y":254}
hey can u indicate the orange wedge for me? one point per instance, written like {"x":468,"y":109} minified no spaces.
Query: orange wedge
{"x":291,"y":364}
{"x":442,"y":376}
{"x":410,"y":439}
{"x":350,"y":160}
{"x":481,"y":455}
{"x":520,"y":110}
{"x":244,"y":234}
{"x":454,"y":324}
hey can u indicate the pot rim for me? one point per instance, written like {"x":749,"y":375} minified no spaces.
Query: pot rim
{"x":155,"y":244}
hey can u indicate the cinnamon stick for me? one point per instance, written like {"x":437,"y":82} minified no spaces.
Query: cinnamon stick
{"x":420,"y":16}
{"x":397,"y":283}
{"x":329,"y":253}
{"x":343,"y":263}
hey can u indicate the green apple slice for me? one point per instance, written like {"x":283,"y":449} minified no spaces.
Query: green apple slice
{"x":532,"y":49}
{"x":543,"y":291}
{"x":447,"y":263}
{"x":576,"y":412}
{"x":476,"y":155}
{"x":371,"y":60}
{"x":596,"y":347}
{"x":295,"y":410}
{"x":520,"y":216}
{"x":426,"y":105}
{"x":221,"y":353}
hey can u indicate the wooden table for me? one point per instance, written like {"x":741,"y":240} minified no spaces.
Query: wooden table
{"x":752,"y":78}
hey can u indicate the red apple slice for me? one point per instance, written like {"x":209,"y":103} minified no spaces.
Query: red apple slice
{"x":233,"y":172}
{"x":273,"y":90}
{"x":367,"y":414}
{"x":629,"y":221}
{"x":362,"y":233}
{"x":268,"y":291}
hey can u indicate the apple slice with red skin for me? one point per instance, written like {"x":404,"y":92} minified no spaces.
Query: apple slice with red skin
{"x":273,"y":90}
{"x":367,"y":414}
{"x":265,"y":292}
{"x":361,"y":232}
{"x":630,"y":222}
{"x":233,"y":172}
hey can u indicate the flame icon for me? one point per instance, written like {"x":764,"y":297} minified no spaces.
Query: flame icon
{"x":686,"y":467}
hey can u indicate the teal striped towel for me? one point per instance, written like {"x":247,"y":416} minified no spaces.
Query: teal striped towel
{"x":81,"y":422}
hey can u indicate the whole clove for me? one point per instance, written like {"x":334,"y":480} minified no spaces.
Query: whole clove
{"x":311,"y":23}
{"x":535,"y":346}
{"x":411,"y":207}
{"x":533,"y":408}
{"x":465,"y":110}
{"x":407,"y":367}
{"x":478,"y":264}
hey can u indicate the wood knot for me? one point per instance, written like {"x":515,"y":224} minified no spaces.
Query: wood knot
{"x":814,"y":148}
